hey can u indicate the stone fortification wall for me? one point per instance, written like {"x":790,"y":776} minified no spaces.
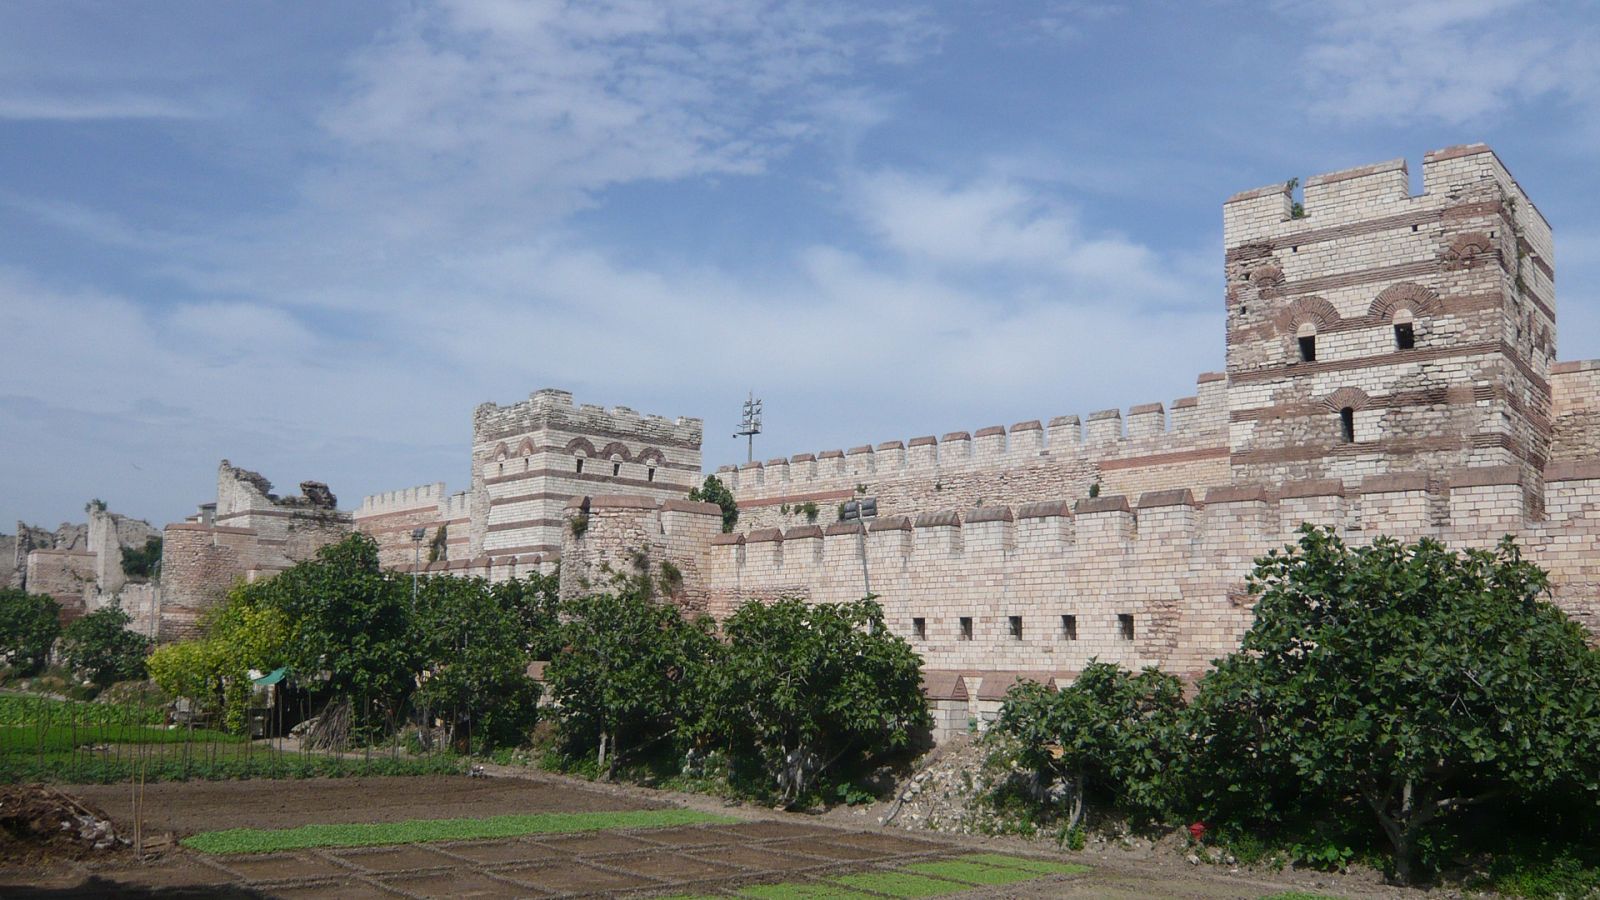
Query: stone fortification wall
{"x":65,"y":575}
{"x":530,"y":458}
{"x":1575,"y":389}
{"x":1147,"y":450}
{"x":391,"y":517}
{"x":1158,"y":582}
{"x":199,"y":564}
{"x":636,"y":535}
{"x":1466,"y":266}
{"x":12,"y":568}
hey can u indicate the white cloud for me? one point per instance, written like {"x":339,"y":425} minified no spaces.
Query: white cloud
{"x":529,"y":108}
{"x":1015,"y":225}
{"x":1454,"y":61}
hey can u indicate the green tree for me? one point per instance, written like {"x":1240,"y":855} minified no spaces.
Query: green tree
{"x":1408,"y":678}
{"x":29,"y":626}
{"x":805,"y":687}
{"x":476,"y":660}
{"x":350,"y":624}
{"x":100,"y":647}
{"x":714,"y":491}
{"x":626,"y":672}
{"x":247,"y":631}
{"x":534,"y":603}
{"x":142,"y":562}
{"x":1112,"y":736}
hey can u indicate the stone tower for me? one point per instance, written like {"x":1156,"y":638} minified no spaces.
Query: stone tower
{"x":530,"y":458}
{"x":1378,"y":332}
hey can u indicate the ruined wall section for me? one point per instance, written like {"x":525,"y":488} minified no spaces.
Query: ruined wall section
{"x":1159,"y":582}
{"x":64,"y":575}
{"x":1151,"y":448}
{"x":610,"y":535}
{"x":287,"y":529}
{"x":530,"y":458}
{"x":1575,"y":401}
{"x":1467,"y":265}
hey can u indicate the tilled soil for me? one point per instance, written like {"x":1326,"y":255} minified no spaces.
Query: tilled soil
{"x":709,"y":859}
{"x":189,"y":807}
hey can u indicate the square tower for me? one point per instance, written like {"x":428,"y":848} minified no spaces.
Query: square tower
{"x":1376,"y":332}
{"x":530,"y":458}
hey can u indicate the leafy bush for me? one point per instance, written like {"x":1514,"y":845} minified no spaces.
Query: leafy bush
{"x":629,"y":671}
{"x":100,"y":648}
{"x":142,"y":562}
{"x":802,"y":688}
{"x":1111,"y":736}
{"x":476,"y":673}
{"x":1406,"y":682}
{"x":714,"y":491}
{"x":29,"y":626}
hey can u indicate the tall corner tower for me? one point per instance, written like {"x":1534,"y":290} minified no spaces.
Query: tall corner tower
{"x":530,"y":458}
{"x":1375,"y":331}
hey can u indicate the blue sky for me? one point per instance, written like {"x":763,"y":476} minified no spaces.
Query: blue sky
{"x":311,"y":239}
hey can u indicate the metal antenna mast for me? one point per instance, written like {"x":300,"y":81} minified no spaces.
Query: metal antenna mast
{"x":750,"y":426}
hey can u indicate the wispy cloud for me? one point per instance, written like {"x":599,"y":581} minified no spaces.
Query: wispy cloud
{"x":70,"y":108}
{"x":1454,"y":61}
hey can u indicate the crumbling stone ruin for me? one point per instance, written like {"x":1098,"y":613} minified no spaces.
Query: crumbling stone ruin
{"x":248,"y":533}
{"x":79,"y":565}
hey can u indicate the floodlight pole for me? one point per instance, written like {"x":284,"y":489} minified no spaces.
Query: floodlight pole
{"x":750,"y":426}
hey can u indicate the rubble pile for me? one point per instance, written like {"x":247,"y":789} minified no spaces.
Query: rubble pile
{"x":40,"y":819}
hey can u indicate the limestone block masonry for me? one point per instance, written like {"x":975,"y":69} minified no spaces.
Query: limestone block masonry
{"x":1391,"y":370}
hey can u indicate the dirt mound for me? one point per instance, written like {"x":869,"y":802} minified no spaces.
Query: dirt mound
{"x":40,"y":821}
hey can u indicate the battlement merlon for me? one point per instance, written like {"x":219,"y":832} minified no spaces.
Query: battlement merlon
{"x":1451,"y":177}
{"x":553,"y":408}
{"x":420,"y":497}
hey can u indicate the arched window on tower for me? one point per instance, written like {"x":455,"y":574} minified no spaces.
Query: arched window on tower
{"x":1306,"y":336}
{"x":1347,"y":425}
{"x":1405,"y":335}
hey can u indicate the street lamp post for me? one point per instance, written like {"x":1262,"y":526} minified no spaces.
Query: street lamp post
{"x":417,"y":534}
{"x":863,"y":511}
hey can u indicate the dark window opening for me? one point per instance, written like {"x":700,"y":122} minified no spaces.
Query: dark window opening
{"x":1413,"y":228}
{"x":1125,"y":626}
{"x":499,"y":468}
{"x":580,"y":465}
{"x":1069,"y":627}
{"x":1308,"y":349}
{"x":616,"y":469}
{"x":966,"y":628}
{"x":650,"y":475}
{"x":1016,"y":628}
{"x":919,"y":627}
{"x":1347,"y":425}
{"x":1243,"y":309}
{"x":1404,"y":337}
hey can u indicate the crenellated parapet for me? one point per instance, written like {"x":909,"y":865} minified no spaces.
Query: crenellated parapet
{"x":1147,"y":448}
